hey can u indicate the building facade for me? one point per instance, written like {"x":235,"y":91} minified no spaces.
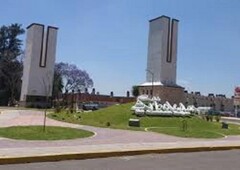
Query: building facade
{"x":218,"y":102}
{"x":237,"y":101}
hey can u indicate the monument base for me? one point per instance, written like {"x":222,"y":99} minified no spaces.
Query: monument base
{"x":35,"y":102}
{"x":172,"y":94}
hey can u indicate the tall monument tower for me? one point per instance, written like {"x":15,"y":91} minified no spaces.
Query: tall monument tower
{"x":162,"y":51}
{"x":39,"y":63}
{"x":161,"y":69}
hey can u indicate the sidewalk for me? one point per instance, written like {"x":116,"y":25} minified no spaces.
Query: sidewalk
{"x":105,"y":142}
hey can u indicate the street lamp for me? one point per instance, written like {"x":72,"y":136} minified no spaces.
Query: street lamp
{"x":78,"y":96}
{"x":72,"y":101}
{"x":152,"y":78}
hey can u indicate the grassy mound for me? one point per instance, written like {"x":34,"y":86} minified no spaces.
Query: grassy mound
{"x":36,"y":133}
{"x":118,"y":116}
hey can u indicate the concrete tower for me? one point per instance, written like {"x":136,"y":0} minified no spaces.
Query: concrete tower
{"x":39,"y":63}
{"x":162,"y":51}
{"x":162,"y":61}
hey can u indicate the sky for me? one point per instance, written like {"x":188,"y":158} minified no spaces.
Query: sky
{"x":109,"y":39}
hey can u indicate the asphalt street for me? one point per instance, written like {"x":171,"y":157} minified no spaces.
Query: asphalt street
{"x":214,"y":160}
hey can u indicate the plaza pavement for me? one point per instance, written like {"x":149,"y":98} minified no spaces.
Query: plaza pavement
{"x":105,"y":142}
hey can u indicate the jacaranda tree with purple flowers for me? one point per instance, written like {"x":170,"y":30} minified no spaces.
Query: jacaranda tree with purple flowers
{"x":71,"y":77}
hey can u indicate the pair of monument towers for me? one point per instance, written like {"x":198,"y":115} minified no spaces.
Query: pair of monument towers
{"x":161,"y":61}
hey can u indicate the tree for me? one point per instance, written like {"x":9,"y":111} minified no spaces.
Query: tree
{"x":135,"y":91}
{"x":12,"y":72}
{"x":47,"y":90}
{"x":72,"y":77}
{"x":10,"y":64}
{"x":57,"y":82}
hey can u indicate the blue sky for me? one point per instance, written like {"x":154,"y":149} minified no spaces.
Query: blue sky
{"x":108,"y":38}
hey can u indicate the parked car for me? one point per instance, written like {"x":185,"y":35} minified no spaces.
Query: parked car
{"x":90,"y":106}
{"x":227,"y":114}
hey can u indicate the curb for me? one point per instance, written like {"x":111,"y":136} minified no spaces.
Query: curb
{"x":82,"y":156}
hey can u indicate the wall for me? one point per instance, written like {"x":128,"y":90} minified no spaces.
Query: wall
{"x":105,"y":99}
{"x":166,"y":93}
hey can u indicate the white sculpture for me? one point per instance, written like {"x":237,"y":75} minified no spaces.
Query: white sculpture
{"x":153,"y":107}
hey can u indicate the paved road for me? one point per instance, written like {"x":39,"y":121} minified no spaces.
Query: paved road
{"x":218,"y":160}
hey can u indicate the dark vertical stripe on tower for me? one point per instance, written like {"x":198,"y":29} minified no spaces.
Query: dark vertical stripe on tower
{"x":40,"y":63}
{"x":46,"y":47}
{"x":168,"y":40}
{"x":47,"y":43}
{"x":171,"y":43}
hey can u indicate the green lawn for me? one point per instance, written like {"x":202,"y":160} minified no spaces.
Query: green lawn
{"x":36,"y":133}
{"x":117,"y":117}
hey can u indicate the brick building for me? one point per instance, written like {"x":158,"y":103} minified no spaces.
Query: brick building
{"x":97,"y":98}
{"x":237,"y":101}
{"x":175,"y":95}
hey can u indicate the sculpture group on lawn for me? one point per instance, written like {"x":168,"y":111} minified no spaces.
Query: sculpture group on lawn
{"x":153,"y":107}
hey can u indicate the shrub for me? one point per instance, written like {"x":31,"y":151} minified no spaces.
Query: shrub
{"x":203,"y":116}
{"x":211,"y":118}
{"x":217,"y":118}
{"x":207,"y":117}
{"x":57,"y":108}
{"x":184,"y":125}
{"x":108,"y":124}
{"x":54,"y":115}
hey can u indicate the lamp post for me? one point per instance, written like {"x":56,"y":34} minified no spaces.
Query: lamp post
{"x":77,"y":100}
{"x":72,"y":101}
{"x":152,"y":78}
